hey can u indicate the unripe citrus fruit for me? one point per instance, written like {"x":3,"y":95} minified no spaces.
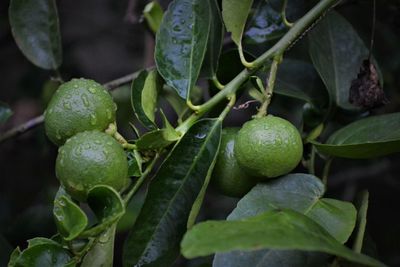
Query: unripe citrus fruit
{"x":269,"y":146}
{"x":78,"y":105}
{"x":227,"y":175}
{"x":88,"y":159}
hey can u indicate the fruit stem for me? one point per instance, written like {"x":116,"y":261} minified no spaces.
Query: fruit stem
{"x":140,"y":181}
{"x":270,"y":86}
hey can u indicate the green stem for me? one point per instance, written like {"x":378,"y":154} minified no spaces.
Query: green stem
{"x":311,"y":167}
{"x":140,"y":181}
{"x":217,"y":83}
{"x":325,"y":172}
{"x":361,"y":221}
{"x":270,"y":87}
{"x":299,"y":28}
{"x":283,"y":15}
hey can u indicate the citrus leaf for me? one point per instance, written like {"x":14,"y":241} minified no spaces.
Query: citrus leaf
{"x":153,"y":14}
{"x":181,"y":43}
{"x":5,"y":112}
{"x":14,"y":257}
{"x":298,"y":79}
{"x":337,"y":52}
{"x":44,"y":255}
{"x":144,"y":94}
{"x":69,"y":218}
{"x":156,"y":139}
{"x":214,"y":43}
{"x":41,"y":240}
{"x":161,"y":224}
{"x":285,"y":229}
{"x":234,"y":14}
{"x":102,"y":253}
{"x":108,"y":207}
{"x":302,"y":193}
{"x":36,"y":30}
{"x":264,"y":25}
{"x":134,"y":164}
{"x":366,"y":138}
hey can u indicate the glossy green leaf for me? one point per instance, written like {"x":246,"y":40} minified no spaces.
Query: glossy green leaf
{"x":155,"y":238}
{"x":156,"y":139}
{"x":144,"y":96}
{"x":181,"y":43}
{"x":298,"y":79}
{"x":366,"y":138}
{"x":40,"y":241}
{"x":153,"y":14}
{"x":234,"y":14}
{"x":134,"y":164}
{"x":264,"y":25}
{"x":71,"y":221}
{"x":108,"y":207}
{"x":14,"y":257}
{"x":102,"y":253}
{"x":302,"y":193}
{"x":5,"y":112}
{"x":44,"y":255}
{"x":215,"y":40}
{"x":36,"y":30}
{"x":337,"y":52}
{"x":284,"y":229}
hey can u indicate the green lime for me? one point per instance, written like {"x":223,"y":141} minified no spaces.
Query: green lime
{"x":78,"y":105}
{"x":88,"y":159}
{"x":227,"y":175}
{"x":269,"y":146}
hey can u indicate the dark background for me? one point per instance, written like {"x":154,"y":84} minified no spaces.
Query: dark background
{"x":103,"y":40}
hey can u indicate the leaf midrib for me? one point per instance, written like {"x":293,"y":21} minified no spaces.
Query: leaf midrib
{"x":180,"y":187}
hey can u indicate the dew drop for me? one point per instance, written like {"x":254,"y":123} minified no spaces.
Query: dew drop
{"x":67,"y":105}
{"x":58,"y":135}
{"x":93,"y":119}
{"x":109,"y":143}
{"x":85,"y":100}
{"x":50,"y":111}
{"x":92,"y":90}
{"x":109,"y":114}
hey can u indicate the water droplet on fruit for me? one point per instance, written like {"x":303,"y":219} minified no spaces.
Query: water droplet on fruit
{"x":200,"y":135}
{"x":92,"y":90}
{"x":50,"y":111}
{"x":58,"y":135}
{"x":109,"y":143}
{"x":85,"y":100}
{"x":67,"y":105}
{"x":109,"y":114}
{"x":93,"y":119}
{"x":115,"y":107}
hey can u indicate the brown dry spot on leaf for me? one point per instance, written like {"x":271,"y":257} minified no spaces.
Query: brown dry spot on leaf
{"x":365,"y":90}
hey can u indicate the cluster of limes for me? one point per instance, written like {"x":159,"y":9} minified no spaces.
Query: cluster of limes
{"x":75,"y":120}
{"x":263,"y":148}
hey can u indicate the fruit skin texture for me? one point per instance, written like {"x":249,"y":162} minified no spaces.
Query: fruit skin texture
{"x":88,"y":159}
{"x":269,"y":146}
{"x":227,"y":175}
{"x":78,"y":105}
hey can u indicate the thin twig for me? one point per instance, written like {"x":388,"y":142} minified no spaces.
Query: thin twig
{"x":33,"y":123}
